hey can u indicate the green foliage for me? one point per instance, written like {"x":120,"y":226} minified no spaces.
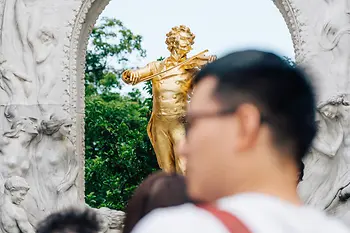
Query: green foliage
{"x":110,"y":42}
{"x":118,"y":153}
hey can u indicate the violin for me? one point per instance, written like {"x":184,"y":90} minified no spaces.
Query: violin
{"x":199,"y":61}
{"x":195,"y":61}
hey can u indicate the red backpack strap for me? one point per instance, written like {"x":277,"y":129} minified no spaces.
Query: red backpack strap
{"x":231,"y":222}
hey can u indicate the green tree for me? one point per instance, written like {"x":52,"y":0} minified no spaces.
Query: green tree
{"x":110,"y":42}
{"x":118,"y":152}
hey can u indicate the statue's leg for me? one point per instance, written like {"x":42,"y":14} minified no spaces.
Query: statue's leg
{"x":177,"y":133}
{"x":162,"y":144}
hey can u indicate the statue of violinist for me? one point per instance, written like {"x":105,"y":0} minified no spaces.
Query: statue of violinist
{"x":172,"y":85}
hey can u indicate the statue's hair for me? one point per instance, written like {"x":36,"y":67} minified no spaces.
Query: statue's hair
{"x":53,"y":125}
{"x":173,"y":35}
{"x":335,"y":100}
{"x":18,"y":126}
{"x":15,"y":183}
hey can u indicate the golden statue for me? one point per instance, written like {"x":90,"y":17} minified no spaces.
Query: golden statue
{"x":172,"y":85}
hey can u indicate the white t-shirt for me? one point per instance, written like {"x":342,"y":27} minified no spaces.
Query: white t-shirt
{"x":259,"y":213}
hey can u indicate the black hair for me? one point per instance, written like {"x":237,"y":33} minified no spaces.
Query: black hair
{"x":301,"y":170}
{"x":282,"y":93}
{"x":70,"y":220}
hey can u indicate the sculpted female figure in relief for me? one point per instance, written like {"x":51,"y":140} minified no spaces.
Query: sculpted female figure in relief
{"x":56,"y":163}
{"x":38,"y":42}
{"x":43,"y":45}
{"x":15,"y":150}
{"x":14,"y":83}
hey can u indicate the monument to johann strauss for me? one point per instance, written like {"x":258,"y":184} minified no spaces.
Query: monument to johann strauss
{"x":42,"y":58}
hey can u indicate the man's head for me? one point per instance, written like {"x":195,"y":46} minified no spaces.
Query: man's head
{"x":179,"y":40}
{"x":251,"y":118}
{"x":70,"y":221}
{"x":16,"y":188}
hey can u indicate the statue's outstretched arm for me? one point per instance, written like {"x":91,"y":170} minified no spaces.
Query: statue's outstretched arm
{"x":135,"y":76}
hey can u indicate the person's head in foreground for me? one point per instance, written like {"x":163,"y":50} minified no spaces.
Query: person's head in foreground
{"x":70,"y":221}
{"x":250,"y":122}
{"x":159,"y":190}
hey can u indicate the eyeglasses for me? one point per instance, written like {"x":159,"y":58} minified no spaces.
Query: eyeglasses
{"x":189,"y":119}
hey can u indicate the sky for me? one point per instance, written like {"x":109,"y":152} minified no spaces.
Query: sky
{"x":221,"y":26}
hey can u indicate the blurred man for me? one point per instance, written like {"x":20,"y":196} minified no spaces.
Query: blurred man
{"x":250,"y":122}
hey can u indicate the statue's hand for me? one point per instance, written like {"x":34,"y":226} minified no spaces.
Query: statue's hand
{"x":212,"y":58}
{"x":130,"y":77}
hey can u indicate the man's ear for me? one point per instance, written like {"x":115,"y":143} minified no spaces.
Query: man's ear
{"x":249,"y":120}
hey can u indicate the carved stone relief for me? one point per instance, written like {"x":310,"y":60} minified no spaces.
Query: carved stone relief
{"x":322,"y":42}
{"x":327,"y":166}
{"x":13,"y":218}
{"x":57,"y":163}
{"x":111,"y":221}
{"x":15,"y":149}
{"x":35,"y":125}
{"x":42,"y":58}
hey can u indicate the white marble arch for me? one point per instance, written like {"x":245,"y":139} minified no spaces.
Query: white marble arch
{"x":60,"y":35}
{"x":81,"y":27}
{"x":85,"y":19}
{"x":309,"y":30}
{"x":299,"y":16}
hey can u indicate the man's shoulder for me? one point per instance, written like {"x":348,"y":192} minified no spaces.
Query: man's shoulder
{"x":184,"y":218}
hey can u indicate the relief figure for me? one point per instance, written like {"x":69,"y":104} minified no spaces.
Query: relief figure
{"x":326,"y":166}
{"x":13,"y":218}
{"x":56,"y":164}
{"x":15,"y":150}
